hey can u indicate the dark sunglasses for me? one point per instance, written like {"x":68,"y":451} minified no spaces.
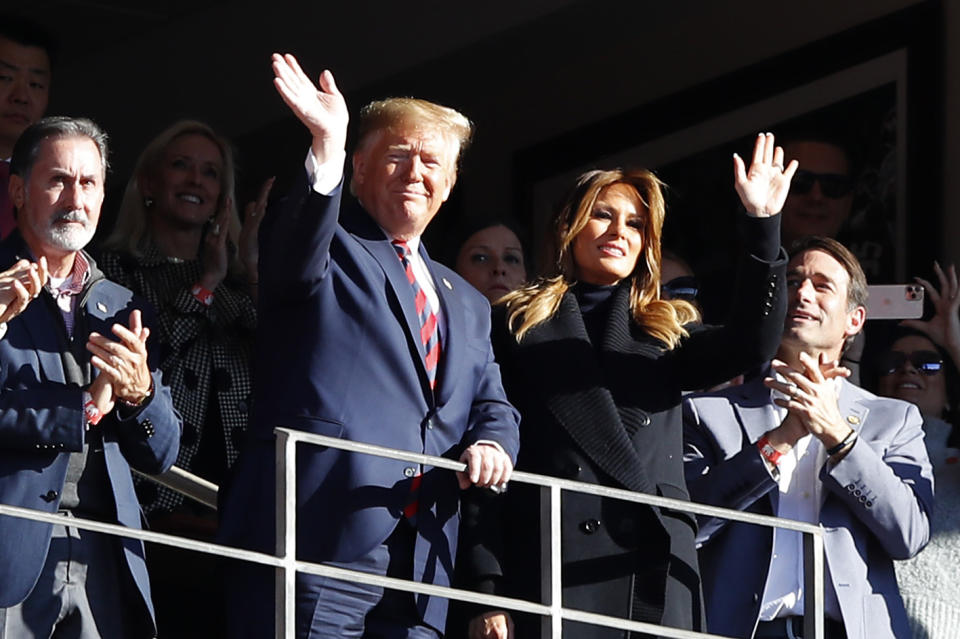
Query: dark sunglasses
{"x":832,"y":185}
{"x":682,"y":288}
{"x":927,"y":362}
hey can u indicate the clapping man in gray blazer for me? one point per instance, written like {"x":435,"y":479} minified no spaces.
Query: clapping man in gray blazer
{"x":807,"y":445}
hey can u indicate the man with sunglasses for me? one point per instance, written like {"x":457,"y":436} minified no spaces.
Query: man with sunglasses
{"x":806,"y":444}
{"x":821,"y":194}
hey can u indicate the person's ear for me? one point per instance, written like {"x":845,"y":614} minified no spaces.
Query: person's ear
{"x":359,"y":162}
{"x":18,"y":191}
{"x":855,"y":320}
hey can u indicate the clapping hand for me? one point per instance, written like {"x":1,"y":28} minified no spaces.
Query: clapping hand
{"x":19,"y":285}
{"x":322,"y":110}
{"x":123,"y":362}
{"x":214,"y":253}
{"x":812,"y":396}
{"x":252,"y":216}
{"x":763,"y":189}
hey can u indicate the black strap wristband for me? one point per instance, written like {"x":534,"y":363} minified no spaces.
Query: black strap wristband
{"x":833,"y":450}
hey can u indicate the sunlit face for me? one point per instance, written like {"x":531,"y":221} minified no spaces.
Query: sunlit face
{"x":606,"y":250}
{"x":24,"y":90}
{"x":818,"y":315}
{"x":492,"y":261}
{"x":906,"y":382}
{"x":813,"y":213}
{"x":186,"y":186}
{"x":58,"y":209}
{"x":402,"y":175}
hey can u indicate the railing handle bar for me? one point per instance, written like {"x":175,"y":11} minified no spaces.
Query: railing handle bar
{"x":286,"y":496}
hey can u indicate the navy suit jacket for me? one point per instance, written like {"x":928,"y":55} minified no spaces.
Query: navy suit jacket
{"x":339,"y":353}
{"x":876,"y":505}
{"x":42,"y":422}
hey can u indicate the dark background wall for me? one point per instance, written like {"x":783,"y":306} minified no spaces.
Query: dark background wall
{"x":546,"y":81}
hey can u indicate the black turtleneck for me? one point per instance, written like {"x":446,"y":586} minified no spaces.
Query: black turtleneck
{"x":594,"y":303}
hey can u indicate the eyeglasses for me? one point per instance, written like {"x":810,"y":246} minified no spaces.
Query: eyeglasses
{"x":926,"y":362}
{"x":681,"y":288}
{"x":832,"y":185}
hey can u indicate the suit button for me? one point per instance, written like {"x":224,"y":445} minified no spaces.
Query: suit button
{"x":409,"y":471}
{"x":644,"y":420}
{"x":49,"y":496}
{"x":756,"y":597}
{"x":868,"y":504}
{"x":857,"y":493}
{"x":590,"y":526}
{"x":850,"y":487}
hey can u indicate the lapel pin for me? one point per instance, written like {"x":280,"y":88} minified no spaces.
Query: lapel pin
{"x":101,"y":307}
{"x":447,"y":283}
{"x":853,"y":419}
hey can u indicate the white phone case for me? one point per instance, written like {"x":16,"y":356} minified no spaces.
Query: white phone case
{"x":895,"y":301}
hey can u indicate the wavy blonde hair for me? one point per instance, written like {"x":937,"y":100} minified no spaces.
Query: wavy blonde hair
{"x":131,"y":227}
{"x":539,"y":301}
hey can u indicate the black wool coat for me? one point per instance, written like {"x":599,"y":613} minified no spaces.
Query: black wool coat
{"x":610,"y":414}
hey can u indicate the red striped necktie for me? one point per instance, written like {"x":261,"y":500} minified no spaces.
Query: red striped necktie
{"x":429,"y":331}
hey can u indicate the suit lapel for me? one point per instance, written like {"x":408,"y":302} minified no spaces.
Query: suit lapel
{"x":451,"y":350}
{"x":356,"y":221}
{"x":44,"y":330}
{"x":754,"y":409}
{"x":563,"y":364}
{"x":39,"y":322}
{"x":757,"y":415}
{"x":853,"y":412}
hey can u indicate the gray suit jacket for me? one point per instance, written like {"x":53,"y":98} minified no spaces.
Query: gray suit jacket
{"x":876,"y":506}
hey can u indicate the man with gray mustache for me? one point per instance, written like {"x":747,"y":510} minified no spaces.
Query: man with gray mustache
{"x":80,"y":403}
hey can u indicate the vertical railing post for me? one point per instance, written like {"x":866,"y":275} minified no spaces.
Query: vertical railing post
{"x":556,"y":565}
{"x":286,"y":500}
{"x":813,"y":610}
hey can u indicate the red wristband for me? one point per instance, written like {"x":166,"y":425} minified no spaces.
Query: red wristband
{"x":766,"y":449}
{"x":203,"y":295}
{"x":92,"y":412}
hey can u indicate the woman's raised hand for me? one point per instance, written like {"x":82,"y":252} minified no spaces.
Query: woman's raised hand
{"x":763,"y":188}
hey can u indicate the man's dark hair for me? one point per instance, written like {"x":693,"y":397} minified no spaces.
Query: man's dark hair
{"x":28,"y":145}
{"x":832,"y":135}
{"x":29,"y":34}
{"x":857,"y":288}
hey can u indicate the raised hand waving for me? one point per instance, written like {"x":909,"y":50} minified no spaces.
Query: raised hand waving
{"x":763,"y":188}
{"x":322,"y":110}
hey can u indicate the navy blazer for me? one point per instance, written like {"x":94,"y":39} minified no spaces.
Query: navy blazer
{"x":42,"y":422}
{"x":338,"y":353}
{"x":875,"y":508}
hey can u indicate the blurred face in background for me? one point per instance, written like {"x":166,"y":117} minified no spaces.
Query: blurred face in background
{"x":821,"y":192}
{"x":913,"y":370}
{"x":24,"y":90}
{"x":492,"y":261}
{"x":186,"y":186}
{"x":677,"y":280}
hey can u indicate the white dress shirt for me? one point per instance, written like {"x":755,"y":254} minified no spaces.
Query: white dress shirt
{"x":800,"y":497}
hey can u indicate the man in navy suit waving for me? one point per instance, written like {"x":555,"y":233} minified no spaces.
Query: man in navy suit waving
{"x":363,"y":336}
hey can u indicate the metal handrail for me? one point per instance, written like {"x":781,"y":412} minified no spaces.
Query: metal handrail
{"x":287,"y":566}
{"x":187,"y":484}
{"x":286,"y":538}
